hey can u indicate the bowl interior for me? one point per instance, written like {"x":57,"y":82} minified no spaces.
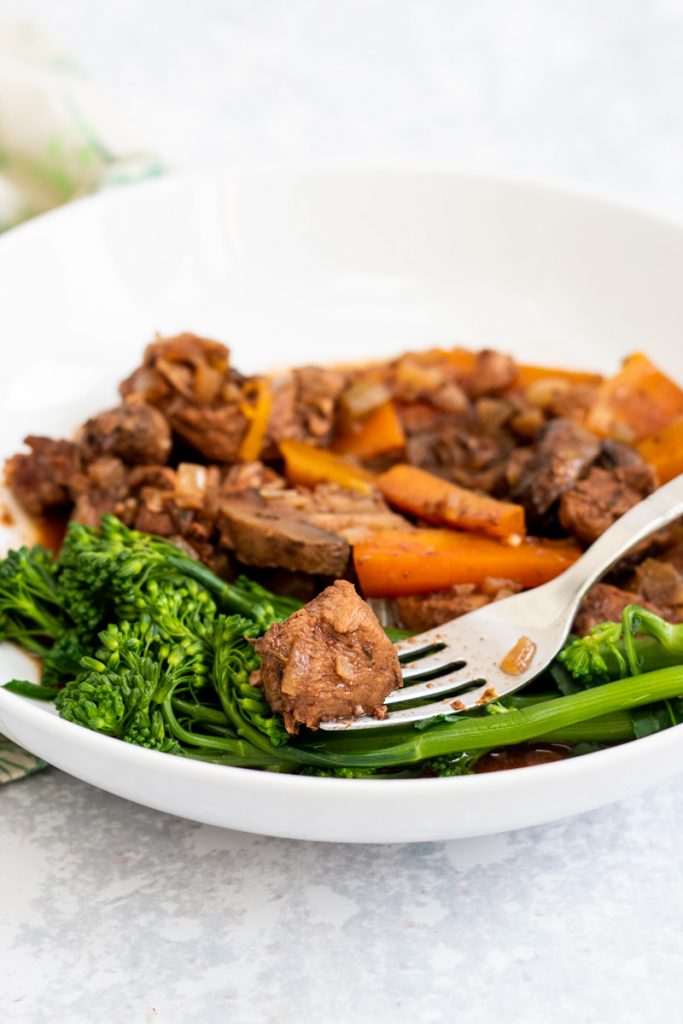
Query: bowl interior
{"x":310,"y":267}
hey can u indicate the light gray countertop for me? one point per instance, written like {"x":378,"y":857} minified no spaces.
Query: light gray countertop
{"x":111,"y":912}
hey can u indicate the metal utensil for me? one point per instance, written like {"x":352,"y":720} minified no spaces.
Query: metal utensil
{"x":498,"y":649}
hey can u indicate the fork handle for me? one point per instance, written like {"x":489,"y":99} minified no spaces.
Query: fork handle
{"x":658,"y":510}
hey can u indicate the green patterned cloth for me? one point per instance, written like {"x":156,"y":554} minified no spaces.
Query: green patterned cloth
{"x":60,"y":138}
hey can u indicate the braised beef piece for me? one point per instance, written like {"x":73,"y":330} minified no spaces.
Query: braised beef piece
{"x":462,"y":455}
{"x":331,"y":659}
{"x":660,"y":583}
{"x":605,"y":603}
{"x":304,"y":405}
{"x":42,"y":479}
{"x":190,"y":381}
{"x":493,"y":372}
{"x":196,"y":368}
{"x":135,"y":432}
{"x":263,"y":534}
{"x":351,"y":514}
{"x":215,"y":433}
{"x":563,"y":452}
{"x":299,"y":528}
{"x":572,"y":402}
{"x":426,"y":611}
{"x":589,"y":508}
{"x":672,"y":549}
{"x":618,"y":455}
{"x":247,"y":476}
{"x":459,"y":425}
{"x":102,"y":488}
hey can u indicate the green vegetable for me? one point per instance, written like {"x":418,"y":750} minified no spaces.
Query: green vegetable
{"x":31,"y":608}
{"x":142,"y":643}
{"x":102,"y":572}
{"x":641,"y":642}
{"x":545,"y":720}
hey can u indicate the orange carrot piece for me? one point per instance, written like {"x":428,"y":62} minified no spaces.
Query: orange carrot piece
{"x":396,"y":562}
{"x":375,"y":434}
{"x":640,"y":400}
{"x":445,"y":504}
{"x":259,"y":414}
{"x":664,"y":451}
{"x":305,"y":464}
{"x":528,"y":374}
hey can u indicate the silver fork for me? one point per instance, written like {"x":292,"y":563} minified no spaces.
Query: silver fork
{"x":463,"y":658}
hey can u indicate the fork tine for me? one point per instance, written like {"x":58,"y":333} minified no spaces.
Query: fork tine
{"x":414,"y":646}
{"x":409,"y":716}
{"x":431,"y":688}
{"x":442,"y":661}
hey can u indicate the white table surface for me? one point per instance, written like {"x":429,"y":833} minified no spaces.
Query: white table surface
{"x":110,"y":912}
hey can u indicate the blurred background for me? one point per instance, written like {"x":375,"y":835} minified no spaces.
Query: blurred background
{"x":589,"y":92}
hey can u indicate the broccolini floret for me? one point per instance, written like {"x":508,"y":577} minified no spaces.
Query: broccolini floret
{"x":641,"y":642}
{"x":156,"y":650}
{"x":32,"y":612}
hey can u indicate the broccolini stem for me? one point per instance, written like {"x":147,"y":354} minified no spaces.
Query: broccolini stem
{"x":231,"y":597}
{"x":249,"y":758}
{"x":616,"y":727}
{"x":219,"y":744}
{"x":518,"y":725}
{"x":200,"y":712}
{"x":667,"y":637}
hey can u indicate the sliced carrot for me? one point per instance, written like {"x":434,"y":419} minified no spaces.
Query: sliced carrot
{"x":528,"y":374}
{"x":375,"y":434}
{"x":445,"y":504}
{"x":397,"y":562}
{"x":640,"y":400}
{"x":305,"y":464}
{"x":664,"y":451}
{"x":259,"y":414}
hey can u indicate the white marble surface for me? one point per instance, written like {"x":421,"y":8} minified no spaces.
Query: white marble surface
{"x":110,"y":912}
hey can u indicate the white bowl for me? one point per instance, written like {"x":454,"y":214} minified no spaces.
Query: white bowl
{"x":294,"y":267}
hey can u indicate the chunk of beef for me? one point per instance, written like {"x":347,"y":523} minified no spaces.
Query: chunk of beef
{"x":414,"y":380}
{"x":215,"y":432}
{"x":672,"y":550}
{"x":103,"y":488}
{"x":618,"y":455}
{"x":248,"y":476}
{"x":493,"y":372}
{"x":135,"y":432}
{"x":304,"y":404}
{"x":340,"y":510}
{"x":563,"y":453}
{"x":425,"y":611}
{"x":189,"y":379}
{"x":597,"y":501}
{"x":661,"y":583}
{"x":605,"y":603}
{"x":471,"y":459}
{"x":42,"y":480}
{"x":196,"y":368}
{"x":301,"y":529}
{"x":331,"y":659}
{"x":265,"y":534}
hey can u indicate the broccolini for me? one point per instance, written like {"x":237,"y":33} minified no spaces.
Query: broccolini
{"x":144,"y":644}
